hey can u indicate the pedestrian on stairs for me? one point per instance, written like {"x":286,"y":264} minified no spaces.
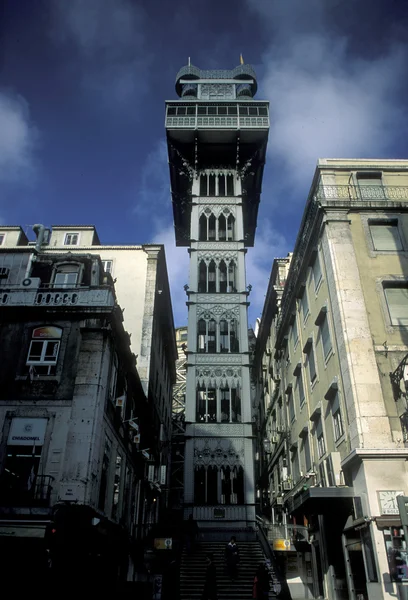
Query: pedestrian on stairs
{"x":261,"y":583}
{"x":210,"y":583}
{"x":232,"y":558}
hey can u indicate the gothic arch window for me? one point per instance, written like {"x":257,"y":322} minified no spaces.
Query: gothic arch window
{"x":222,"y":228}
{"x":224,"y":340}
{"x":230,"y":405}
{"x":206,"y":405}
{"x":230,"y":227}
{"x":203,"y":185}
{"x":222,"y":270}
{"x":221,"y":185}
{"x":233,"y":336}
{"x":212,"y":279}
{"x":211,"y":228}
{"x":207,"y":336}
{"x":232,"y":485}
{"x":201,"y":335}
{"x":202,"y":277}
{"x":206,"y":485}
{"x":230,"y":184}
{"x":211,"y":185}
{"x":231,"y":285}
{"x":202,"y":227}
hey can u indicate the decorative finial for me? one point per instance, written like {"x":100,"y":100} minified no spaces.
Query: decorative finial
{"x":189,"y":62}
{"x":241,"y":60}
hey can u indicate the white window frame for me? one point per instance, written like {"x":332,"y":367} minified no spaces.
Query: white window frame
{"x":68,"y":236}
{"x":302,"y":303}
{"x":295,"y":333}
{"x":325,"y":327}
{"x":291,"y":407}
{"x":104,"y":264}
{"x":386,"y":223}
{"x":390,"y":286}
{"x":300,"y":387}
{"x":319,"y":277}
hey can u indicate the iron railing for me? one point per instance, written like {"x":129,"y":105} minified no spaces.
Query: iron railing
{"x":35,"y":492}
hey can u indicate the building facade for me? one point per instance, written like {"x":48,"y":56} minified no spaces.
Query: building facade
{"x":69,"y":374}
{"x":336,"y":420}
{"x":217,"y":135}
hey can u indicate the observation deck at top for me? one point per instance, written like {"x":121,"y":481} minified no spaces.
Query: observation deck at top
{"x":216,"y":123}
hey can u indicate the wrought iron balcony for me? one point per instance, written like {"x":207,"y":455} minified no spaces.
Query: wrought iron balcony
{"x":57,"y":297}
{"x":36,"y":493}
{"x":232,"y":116}
{"x":390,"y":193}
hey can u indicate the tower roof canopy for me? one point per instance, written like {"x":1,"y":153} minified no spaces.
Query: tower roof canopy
{"x":240,"y":73}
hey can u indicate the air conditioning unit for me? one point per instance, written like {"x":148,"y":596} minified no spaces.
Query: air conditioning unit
{"x":31,"y":283}
{"x":286,"y":485}
{"x":275,"y":439}
{"x":279,"y":500}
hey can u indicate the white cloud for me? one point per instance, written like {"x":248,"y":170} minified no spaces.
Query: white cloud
{"x":325,"y":101}
{"x":153,"y":186}
{"x":178,"y":270}
{"x":17,"y":140}
{"x":109,"y":47}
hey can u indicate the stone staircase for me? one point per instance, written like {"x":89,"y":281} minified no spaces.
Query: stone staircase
{"x":193,"y":566}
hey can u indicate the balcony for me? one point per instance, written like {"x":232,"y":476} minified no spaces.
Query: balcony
{"x":217,"y":117}
{"x":58,"y":297}
{"x":361,"y":193}
{"x":38,"y":495}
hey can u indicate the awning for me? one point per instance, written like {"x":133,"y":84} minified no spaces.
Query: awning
{"x":22,"y":531}
{"x":322,"y":498}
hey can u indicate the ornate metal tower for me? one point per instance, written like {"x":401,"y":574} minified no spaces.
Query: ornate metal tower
{"x":217,"y":136}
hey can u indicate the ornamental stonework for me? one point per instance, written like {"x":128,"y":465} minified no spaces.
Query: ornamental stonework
{"x":223,"y":359}
{"x":218,"y":377}
{"x":207,"y":256}
{"x":218,"y":452}
{"x":227,"y":311}
{"x":217,"y":91}
{"x":212,"y":299}
{"x":217,"y":211}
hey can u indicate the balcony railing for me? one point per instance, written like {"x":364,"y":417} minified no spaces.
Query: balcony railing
{"x":391,"y":193}
{"x":36,"y":493}
{"x":227,"y":122}
{"x":64,"y":297}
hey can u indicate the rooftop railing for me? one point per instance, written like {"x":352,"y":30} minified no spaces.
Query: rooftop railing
{"x":62,"y":296}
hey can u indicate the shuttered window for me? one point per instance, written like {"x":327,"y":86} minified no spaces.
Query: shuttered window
{"x":385,"y":236}
{"x":370,"y":186}
{"x":326,"y":340}
{"x":397,"y":302}
{"x":317,"y":272}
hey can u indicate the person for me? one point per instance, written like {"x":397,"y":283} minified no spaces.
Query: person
{"x":261,"y":583}
{"x":232,"y":558}
{"x":210,"y":583}
{"x":191,"y":529}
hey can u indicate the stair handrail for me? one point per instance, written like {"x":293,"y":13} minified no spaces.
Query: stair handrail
{"x":282,"y":589}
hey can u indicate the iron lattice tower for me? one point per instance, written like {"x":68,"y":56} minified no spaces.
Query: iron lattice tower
{"x":217,"y":136}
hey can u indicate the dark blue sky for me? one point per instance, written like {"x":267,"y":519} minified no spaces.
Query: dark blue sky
{"x":82,"y":90}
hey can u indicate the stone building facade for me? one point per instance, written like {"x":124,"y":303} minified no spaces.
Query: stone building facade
{"x":335,"y":355}
{"x":69,"y":375}
{"x":217,"y":135}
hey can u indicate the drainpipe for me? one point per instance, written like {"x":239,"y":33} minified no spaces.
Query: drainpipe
{"x":39,"y":231}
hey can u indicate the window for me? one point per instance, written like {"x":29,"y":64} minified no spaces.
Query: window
{"x":370,"y":186}
{"x":337,"y":419}
{"x":291,"y":407}
{"x":206,"y":336}
{"x":385,"y":235}
{"x":107,"y":266}
{"x":306,"y":449}
{"x":325,"y":337}
{"x":397,"y":303}
{"x":295,"y":465}
{"x":321,"y":445}
{"x":317,"y":271}
{"x":300,"y":389}
{"x":2,"y":238}
{"x":295,"y":333}
{"x":206,"y":405}
{"x":66,"y":276}
{"x":305,"y":305}
{"x":44,"y":348}
{"x":71,"y":239}
{"x":116,"y":487}
{"x":309,"y":351}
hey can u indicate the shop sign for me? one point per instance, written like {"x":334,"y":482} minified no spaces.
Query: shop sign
{"x":281,"y":544}
{"x":163,"y":543}
{"x":27,"y":432}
